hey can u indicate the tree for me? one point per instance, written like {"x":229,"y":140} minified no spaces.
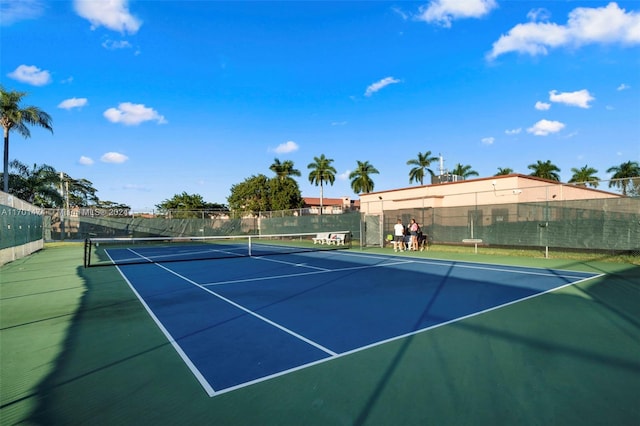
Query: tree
{"x":633,"y":190}
{"x":585,"y":176}
{"x":189,"y":205}
{"x":464,"y":171}
{"x":421,"y":164}
{"x":545,"y":170}
{"x":260,"y":194}
{"x":284,"y":194}
{"x":321,"y":172}
{"x":80,"y":191}
{"x":251,"y":195}
{"x":12,"y":117}
{"x":624,"y":175}
{"x":504,"y":171}
{"x":284,"y":170}
{"x":360,"y":179}
{"x":38,"y":185}
{"x":112,"y":205}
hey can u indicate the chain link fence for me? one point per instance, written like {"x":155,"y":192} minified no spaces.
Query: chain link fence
{"x":594,"y":225}
{"x":538,"y":217}
{"x":21,"y":227}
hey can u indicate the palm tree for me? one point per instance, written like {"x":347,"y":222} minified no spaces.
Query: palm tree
{"x":545,"y":170}
{"x":321,"y":172}
{"x":38,"y":185}
{"x":504,"y":171}
{"x":624,"y":174}
{"x":360,"y":179}
{"x":585,"y":176}
{"x":12,"y":117}
{"x":284,"y":170}
{"x":464,"y":171}
{"x":421,"y":164}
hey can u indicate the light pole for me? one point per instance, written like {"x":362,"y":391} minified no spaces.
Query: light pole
{"x":381,"y":221}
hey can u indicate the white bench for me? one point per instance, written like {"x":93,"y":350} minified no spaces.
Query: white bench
{"x":337,"y":239}
{"x":474,"y":241}
{"x":321,"y":238}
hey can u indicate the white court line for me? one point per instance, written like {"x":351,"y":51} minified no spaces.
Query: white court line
{"x":189,"y":363}
{"x":476,"y":265}
{"x":399,"y":262}
{"x":333,"y":355}
{"x":199,"y":376}
{"x":322,"y":271}
{"x":392,"y":339}
{"x":158,"y":258}
{"x":302,"y":265}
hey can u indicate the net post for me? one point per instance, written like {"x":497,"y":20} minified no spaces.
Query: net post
{"x":87,"y":252}
{"x":249,"y":248}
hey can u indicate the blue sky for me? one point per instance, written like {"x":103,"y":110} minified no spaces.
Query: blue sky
{"x":152,"y":98}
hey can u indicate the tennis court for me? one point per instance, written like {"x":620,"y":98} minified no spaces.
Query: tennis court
{"x":425,"y":338}
{"x":249,"y":318}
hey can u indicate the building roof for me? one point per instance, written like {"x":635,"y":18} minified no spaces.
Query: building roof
{"x":493,"y":178}
{"x":326,"y":202}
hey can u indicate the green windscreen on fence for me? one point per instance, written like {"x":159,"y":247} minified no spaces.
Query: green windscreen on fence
{"x":19,"y":226}
{"x":593,"y":224}
{"x":312,"y":223}
{"x":596,"y":224}
{"x":79,"y":227}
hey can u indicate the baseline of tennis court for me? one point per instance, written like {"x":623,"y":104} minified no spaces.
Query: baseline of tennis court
{"x":243,"y":320}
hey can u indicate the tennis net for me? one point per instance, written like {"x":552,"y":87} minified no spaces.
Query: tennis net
{"x":127,"y":251}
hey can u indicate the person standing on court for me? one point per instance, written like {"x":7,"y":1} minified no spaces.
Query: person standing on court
{"x":413,"y":230}
{"x":398,"y":232}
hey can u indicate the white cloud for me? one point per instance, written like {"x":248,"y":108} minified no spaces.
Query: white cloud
{"x":488,"y":140}
{"x":133,"y":114}
{"x":513,"y":131}
{"x":284,"y":148}
{"x":115,"y":45}
{"x":609,"y":24}
{"x":114,"y":157}
{"x":344,"y":176}
{"x":623,"y":87}
{"x":73,"y":103}
{"x":443,"y":12}
{"x":31,"y":74}
{"x":580,"y":98}
{"x":531,"y":38}
{"x":400,"y":12}
{"x":379,"y":85}
{"x":542,"y":106}
{"x":338,"y":123}
{"x":112,"y":14}
{"x":539,"y":14}
{"x":16,"y":11}
{"x":85,"y":161}
{"x":545,"y":127}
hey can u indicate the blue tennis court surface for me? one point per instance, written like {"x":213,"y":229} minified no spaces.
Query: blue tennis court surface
{"x":243,"y":320}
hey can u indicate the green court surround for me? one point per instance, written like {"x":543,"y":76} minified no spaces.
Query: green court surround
{"x":77,"y":347}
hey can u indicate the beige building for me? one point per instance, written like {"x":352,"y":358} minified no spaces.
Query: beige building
{"x":330,"y":205}
{"x":509,"y":210}
{"x":507,"y":189}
